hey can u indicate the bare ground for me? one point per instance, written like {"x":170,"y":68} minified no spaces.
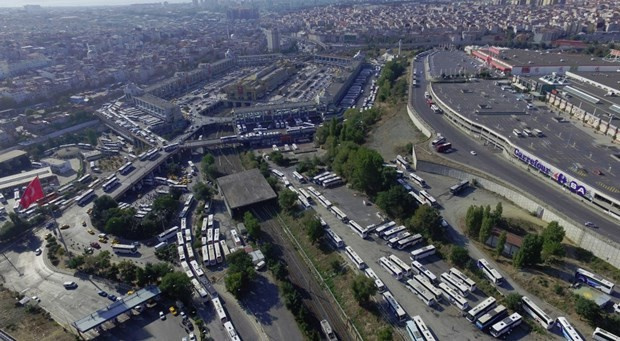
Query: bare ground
{"x":393,"y":131}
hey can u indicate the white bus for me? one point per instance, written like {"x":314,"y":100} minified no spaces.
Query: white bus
{"x":464,"y":279}
{"x":81,"y":199}
{"x":327,"y":330}
{"x":196,"y":268}
{"x":370,"y":273}
{"x":216,"y":235}
{"x":203,"y":227}
{"x":205,"y":255}
{"x":211,"y":249}
{"x":304,"y":193}
{"x":383,"y":227}
{"x":189,"y":201}
{"x":418,"y":180}
{"x":407,"y":242}
{"x":420,"y":269}
{"x":400,"y":313}
{"x":429,"y":286}
{"x":487,"y":320}
{"x":420,"y":291}
{"x":85,"y":179}
{"x":124,"y":249}
{"x":453,"y":297}
{"x":429,"y":198}
{"x":169,"y":233}
{"x":313,"y":191}
{"x":209,"y":236}
{"x":567,"y":329}
{"x":413,"y":332}
{"x":317,"y":177}
{"x":603,"y":335}
{"x":462,"y":289}
{"x":183,"y":224}
{"x":190,"y":251}
{"x":536,"y":313}
{"x":391,"y":232}
{"x":481,"y":309}
{"x":188,"y":235}
{"x":180,"y":238}
{"x":594,"y":280}
{"x":506,"y":325}
{"x":339,"y":214}
{"x":392,"y":268}
{"x":357,"y":228}
{"x":277,"y":173}
{"x":334,"y":238}
{"x":353,"y":256}
{"x":300,"y":178}
{"x":396,"y":237}
{"x":110,"y":184}
{"x":181,"y":252}
{"x":406,"y":268}
{"x":219,"y":310}
{"x":231,"y":332}
{"x":422,"y":252}
{"x":492,"y":274}
{"x":428,"y":336}
{"x":218,"y":252}
{"x":235,"y":237}
{"x":225,"y":249}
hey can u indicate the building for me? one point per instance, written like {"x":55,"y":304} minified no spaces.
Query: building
{"x":258,"y":85}
{"x":158,"y":107}
{"x":9,"y":183}
{"x":13,"y":162}
{"x":244,"y":190}
{"x":62,"y":167}
{"x":273,"y":40}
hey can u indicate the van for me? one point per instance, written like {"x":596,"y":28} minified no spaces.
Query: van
{"x":70,"y":285}
{"x":260,"y":265}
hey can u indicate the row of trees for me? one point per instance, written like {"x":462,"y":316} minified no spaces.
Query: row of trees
{"x":536,"y":249}
{"x":480,"y":221}
{"x":390,"y":86}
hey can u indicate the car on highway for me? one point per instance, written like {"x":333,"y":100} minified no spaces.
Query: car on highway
{"x":590,"y":224}
{"x":102,"y":293}
{"x":162,"y":316}
{"x":38,"y":252}
{"x":473,"y":152}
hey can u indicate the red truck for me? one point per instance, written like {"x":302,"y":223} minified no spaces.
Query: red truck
{"x":429,"y":102}
{"x":444,"y":147}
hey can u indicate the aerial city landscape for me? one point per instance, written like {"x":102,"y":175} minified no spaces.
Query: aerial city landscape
{"x":309,"y":170}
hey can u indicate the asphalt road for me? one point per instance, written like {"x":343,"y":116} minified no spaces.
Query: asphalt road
{"x":492,"y":162}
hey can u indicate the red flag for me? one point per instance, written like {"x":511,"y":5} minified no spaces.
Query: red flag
{"x":33,"y":193}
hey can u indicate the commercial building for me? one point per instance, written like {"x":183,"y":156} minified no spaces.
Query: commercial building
{"x":9,"y":183}
{"x":256,"y":86}
{"x":244,"y":190}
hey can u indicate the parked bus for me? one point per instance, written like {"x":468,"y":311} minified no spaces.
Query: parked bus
{"x":429,"y":198}
{"x":386,"y":235}
{"x":603,"y":335}
{"x":400,"y":313}
{"x":188,"y":235}
{"x":339,"y":214}
{"x":487,"y":320}
{"x":355,"y":258}
{"x":277,"y":173}
{"x":184,"y":212}
{"x":420,"y":291}
{"x":189,"y":201}
{"x":463,"y":279}
{"x":420,"y":269}
{"x":225,"y":249}
{"x":190,"y":251}
{"x":235,"y":237}
{"x":536,"y":313}
{"x":332,"y":182}
{"x":304,"y":193}
{"x":205,"y":255}
{"x":481,"y":309}
{"x":209,"y":236}
{"x":459,"y":187}
{"x":218,"y":252}
{"x":567,"y":329}
{"x":423,"y":281}
{"x":428,"y":336}
{"x":110,"y":184}
{"x":94,"y":184}
{"x":219,"y":310}
{"x":327,"y":330}
{"x":506,"y":325}
{"x":181,"y":252}
{"x":422,"y":252}
{"x":125,"y":169}
{"x":413,"y":332}
{"x":386,"y":226}
{"x":216,"y":235}
{"x":594,"y":280}
{"x":453,"y":297}
{"x":300,"y":178}
{"x":492,"y":274}
{"x":85,"y":179}
{"x":390,"y":267}
{"x":408,"y":241}
{"x":370,"y":273}
{"x":417,"y":179}
{"x":212,"y":259}
{"x":358,"y":229}
{"x":180,"y":238}
{"x":462,"y":289}
{"x":169,"y":233}
{"x":402,"y":265}
{"x":334,"y":238}
{"x":124,"y":249}
{"x":83,"y":198}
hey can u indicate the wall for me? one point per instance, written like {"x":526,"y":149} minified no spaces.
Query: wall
{"x":597,"y":244}
{"x":426,"y":130}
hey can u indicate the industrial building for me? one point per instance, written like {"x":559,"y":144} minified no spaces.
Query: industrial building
{"x":244,"y":190}
{"x":13,"y":162}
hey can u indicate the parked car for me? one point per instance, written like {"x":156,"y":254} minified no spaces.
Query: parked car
{"x":38,"y":252}
{"x":112,"y":298}
{"x":162,"y":316}
{"x":64,"y":227}
{"x":102,"y":293}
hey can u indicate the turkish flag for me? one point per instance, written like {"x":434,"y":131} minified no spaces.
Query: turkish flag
{"x":33,"y":193}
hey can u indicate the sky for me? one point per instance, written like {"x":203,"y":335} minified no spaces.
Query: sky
{"x":52,"y":3}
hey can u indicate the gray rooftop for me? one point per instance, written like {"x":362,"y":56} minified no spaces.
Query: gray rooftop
{"x":115,"y":309}
{"x":452,"y":63}
{"x":11,"y":155}
{"x":245,"y":188}
{"x":565,"y":145}
{"x":610,"y":79}
{"x":517,"y":57}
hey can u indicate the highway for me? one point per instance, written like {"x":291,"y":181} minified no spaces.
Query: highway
{"x":492,"y":162}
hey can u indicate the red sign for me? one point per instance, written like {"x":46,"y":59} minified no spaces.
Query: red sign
{"x":33,"y":193}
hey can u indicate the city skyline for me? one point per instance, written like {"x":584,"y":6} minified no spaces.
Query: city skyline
{"x":82,"y":3}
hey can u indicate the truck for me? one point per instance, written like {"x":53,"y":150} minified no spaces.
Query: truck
{"x":444,"y":147}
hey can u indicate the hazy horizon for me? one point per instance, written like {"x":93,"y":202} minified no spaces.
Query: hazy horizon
{"x":81,"y":3}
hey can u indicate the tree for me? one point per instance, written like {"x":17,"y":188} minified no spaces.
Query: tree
{"x":473,"y":220}
{"x":363,"y":288}
{"x":287,"y":200}
{"x":485,"y":229}
{"x":459,"y":256}
{"x":588,"y":310}
{"x":501,"y":242}
{"x":552,"y":237}
{"x":202,"y":191}
{"x":396,"y":202}
{"x":428,"y":221}
{"x":251,"y":224}
{"x":278,"y":158}
{"x":529,"y":253}
{"x":100,"y":207}
{"x":314,"y":229}
{"x":234,"y":283}
{"x":385,"y":334}
{"x":497,"y":214}
{"x":240,"y":273}
{"x":513,"y":302}
{"x":176,"y":285}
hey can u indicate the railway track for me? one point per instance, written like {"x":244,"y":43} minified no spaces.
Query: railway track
{"x":300,"y":274}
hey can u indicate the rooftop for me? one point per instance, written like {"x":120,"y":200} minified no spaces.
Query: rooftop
{"x":245,"y":188}
{"x":25,"y":177}
{"x":121,"y":306}
{"x":11,"y":155}
{"x":610,"y":79}
{"x":516,"y":57}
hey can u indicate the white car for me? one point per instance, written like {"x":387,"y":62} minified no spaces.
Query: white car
{"x":162,"y":316}
{"x":473,"y":152}
{"x":617,"y":308}
{"x":589,"y":224}
{"x":192,"y":337}
{"x":38,"y":252}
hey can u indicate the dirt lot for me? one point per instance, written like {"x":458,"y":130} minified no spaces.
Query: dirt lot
{"x":396,"y":129}
{"x":26,"y":324}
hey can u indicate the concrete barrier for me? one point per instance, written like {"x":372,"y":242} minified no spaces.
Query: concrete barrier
{"x":600,"y":246}
{"x":418,"y":122}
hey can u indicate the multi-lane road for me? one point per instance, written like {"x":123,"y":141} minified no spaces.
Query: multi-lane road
{"x":492,"y":162}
